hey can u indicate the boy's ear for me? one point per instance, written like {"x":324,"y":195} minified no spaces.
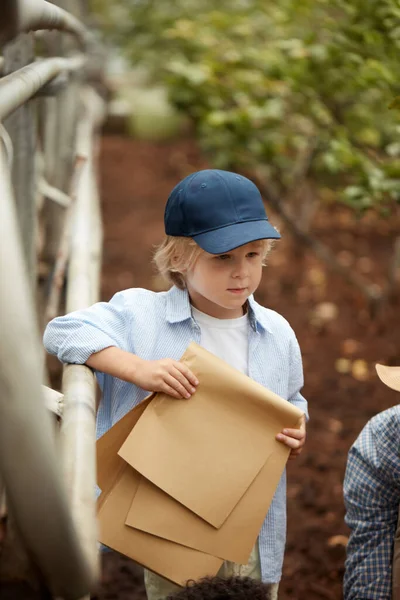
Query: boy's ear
{"x":176,"y":263}
{"x":175,"y":260}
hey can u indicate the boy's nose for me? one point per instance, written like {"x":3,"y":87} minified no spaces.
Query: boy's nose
{"x":240,"y":272}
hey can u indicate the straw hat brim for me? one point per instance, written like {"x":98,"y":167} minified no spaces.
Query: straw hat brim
{"x":390,"y":376}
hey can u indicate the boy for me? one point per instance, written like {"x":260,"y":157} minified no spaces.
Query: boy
{"x":217,"y":588}
{"x":372,"y":499}
{"x":218,"y":236}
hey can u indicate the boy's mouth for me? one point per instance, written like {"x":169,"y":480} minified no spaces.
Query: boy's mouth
{"x":237,"y":290}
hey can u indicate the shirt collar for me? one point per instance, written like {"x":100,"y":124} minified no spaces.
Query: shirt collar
{"x":258,"y":318}
{"x":178,"y":305}
{"x":179,"y":310}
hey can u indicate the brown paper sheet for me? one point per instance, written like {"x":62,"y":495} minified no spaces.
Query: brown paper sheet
{"x":172,"y":561}
{"x":155,"y":512}
{"x":109,"y":464}
{"x":119,"y":483}
{"x":217,"y":441}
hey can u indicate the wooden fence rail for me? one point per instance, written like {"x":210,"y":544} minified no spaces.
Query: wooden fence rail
{"x":49,"y":120}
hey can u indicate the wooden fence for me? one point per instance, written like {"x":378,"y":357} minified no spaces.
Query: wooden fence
{"x":50,"y":255}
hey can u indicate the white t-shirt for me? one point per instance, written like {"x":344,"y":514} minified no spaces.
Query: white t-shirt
{"x":226,"y":338}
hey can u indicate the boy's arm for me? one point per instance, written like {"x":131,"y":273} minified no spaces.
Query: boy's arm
{"x":295,"y":438}
{"x":169,"y":376}
{"x":296,"y":378}
{"x":97,"y":336}
{"x":74,"y":337}
{"x":371,"y":498}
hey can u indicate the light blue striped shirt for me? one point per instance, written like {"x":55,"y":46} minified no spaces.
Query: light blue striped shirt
{"x":160,"y":325}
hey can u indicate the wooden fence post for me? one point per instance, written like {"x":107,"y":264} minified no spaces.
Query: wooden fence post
{"x":21,"y":126}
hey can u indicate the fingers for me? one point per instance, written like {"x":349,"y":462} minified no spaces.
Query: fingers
{"x":295,"y":445}
{"x":167,"y":389}
{"x":183,"y":380}
{"x":178,"y":388}
{"x":180,"y":379}
{"x":168,"y":376}
{"x":293,"y":438}
{"x":187,"y":373}
{"x":289,"y":441}
{"x":297,"y":434}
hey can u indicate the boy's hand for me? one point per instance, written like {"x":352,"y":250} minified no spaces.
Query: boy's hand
{"x":294,"y":438}
{"x":166,"y":375}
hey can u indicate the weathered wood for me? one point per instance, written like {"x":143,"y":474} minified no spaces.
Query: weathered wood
{"x":15,"y":563}
{"x":26,"y":433}
{"x":60,"y":138}
{"x":21,"y":126}
{"x":79,"y":416}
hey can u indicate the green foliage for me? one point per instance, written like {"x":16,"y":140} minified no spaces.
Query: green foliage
{"x":293,"y":88}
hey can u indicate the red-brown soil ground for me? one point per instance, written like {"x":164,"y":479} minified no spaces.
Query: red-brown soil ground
{"x":136,"y":179}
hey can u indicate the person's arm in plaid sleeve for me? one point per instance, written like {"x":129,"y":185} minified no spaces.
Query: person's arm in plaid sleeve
{"x":371,"y":494}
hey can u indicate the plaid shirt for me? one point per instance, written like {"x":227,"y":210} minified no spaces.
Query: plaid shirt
{"x":372,"y":496}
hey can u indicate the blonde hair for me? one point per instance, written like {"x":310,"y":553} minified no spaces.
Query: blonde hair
{"x":176,"y":255}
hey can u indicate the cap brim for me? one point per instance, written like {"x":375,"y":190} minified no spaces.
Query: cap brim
{"x":390,"y":376}
{"x":227,"y":238}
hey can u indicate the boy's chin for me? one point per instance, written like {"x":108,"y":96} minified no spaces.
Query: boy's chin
{"x":233,"y":303}
{"x":237,"y":301}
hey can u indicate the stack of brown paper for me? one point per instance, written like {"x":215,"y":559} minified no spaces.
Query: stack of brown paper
{"x":187,"y":484}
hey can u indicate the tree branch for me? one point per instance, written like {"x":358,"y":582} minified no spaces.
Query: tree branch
{"x":371,"y":292}
{"x":394,"y":267}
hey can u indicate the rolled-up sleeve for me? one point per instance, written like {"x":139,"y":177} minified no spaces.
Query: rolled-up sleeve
{"x":73,"y":338}
{"x":296,"y":377}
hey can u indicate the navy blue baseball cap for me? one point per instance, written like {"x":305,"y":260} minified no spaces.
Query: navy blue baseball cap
{"x":220,"y":210}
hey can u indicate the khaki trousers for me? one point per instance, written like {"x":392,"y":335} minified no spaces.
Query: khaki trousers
{"x":158,"y":588}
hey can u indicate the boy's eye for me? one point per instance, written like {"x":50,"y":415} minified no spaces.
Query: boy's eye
{"x":223,"y":257}
{"x":253,"y":254}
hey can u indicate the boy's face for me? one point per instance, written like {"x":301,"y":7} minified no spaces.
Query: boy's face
{"x":219,"y":285}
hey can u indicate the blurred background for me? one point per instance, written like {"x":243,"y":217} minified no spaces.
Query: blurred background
{"x":303,"y":97}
